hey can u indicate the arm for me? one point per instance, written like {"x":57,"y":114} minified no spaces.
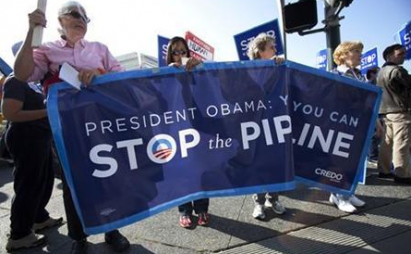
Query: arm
{"x":12,"y":111}
{"x":278,"y":60}
{"x":110,"y":65}
{"x":24,"y":64}
{"x":192,"y":63}
{"x":401,"y":78}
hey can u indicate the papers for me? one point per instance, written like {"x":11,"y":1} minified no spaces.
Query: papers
{"x":70,"y":75}
{"x":184,"y":60}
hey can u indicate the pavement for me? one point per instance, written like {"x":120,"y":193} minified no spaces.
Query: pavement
{"x":310,"y":225}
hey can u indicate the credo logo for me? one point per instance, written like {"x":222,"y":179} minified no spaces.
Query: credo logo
{"x":329,"y":174}
{"x":161,"y":149}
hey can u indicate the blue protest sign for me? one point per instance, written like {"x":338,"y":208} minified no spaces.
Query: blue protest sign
{"x":137,"y":143}
{"x":162,"y":50}
{"x":404,"y":36}
{"x":143,"y":143}
{"x":243,"y":39}
{"x":5,"y":68}
{"x":369,"y":59}
{"x":16,"y":47}
{"x":321,"y":60}
{"x":333,"y":121}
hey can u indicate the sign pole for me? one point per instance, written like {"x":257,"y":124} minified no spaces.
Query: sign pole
{"x":38,"y":30}
{"x":280,"y":6}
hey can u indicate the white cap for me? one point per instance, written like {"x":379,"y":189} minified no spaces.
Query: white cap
{"x":69,"y":6}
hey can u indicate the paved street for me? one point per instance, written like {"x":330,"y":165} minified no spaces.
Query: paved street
{"x":311,"y":225}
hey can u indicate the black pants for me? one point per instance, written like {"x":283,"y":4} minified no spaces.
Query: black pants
{"x":374,"y":148}
{"x":30,"y":148}
{"x":75,"y":229}
{"x":199,"y":206}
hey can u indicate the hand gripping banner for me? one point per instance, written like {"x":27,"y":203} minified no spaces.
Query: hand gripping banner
{"x":137,"y":143}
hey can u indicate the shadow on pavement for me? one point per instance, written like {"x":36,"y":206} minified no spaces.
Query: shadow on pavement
{"x":251,"y":233}
{"x":102,"y":247}
{"x":242,"y":230}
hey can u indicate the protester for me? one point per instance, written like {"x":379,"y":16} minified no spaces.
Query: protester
{"x":395,"y":110}
{"x":177,"y":50}
{"x":263,"y":47}
{"x":347,"y":56}
{"x":90,"y":59}
{"x":28,"y":139}
{"x":371,"y":76}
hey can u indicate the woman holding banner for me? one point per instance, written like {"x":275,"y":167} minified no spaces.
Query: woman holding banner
{"x":90,"y":59}
{"x":263,"y":47}
{"x":347,"y":56}
{"x":178,"y":55}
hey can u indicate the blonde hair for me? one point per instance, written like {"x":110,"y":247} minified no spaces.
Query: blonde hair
{"x":342,"y":50}
{"x":258,"y":44}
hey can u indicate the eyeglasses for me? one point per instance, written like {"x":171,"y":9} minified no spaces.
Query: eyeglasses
{"x":77,"y":15}
{"x":178,"y":52}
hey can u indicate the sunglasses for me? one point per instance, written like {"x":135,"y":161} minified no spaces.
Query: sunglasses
{"x":77,"y":15}
{"x":178,"y":52}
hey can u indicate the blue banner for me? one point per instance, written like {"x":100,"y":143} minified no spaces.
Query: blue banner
{"x":404,"y":36}
{"x":333,"y":121}
{"x":137,"y":143}
{"x":162,"y":50}
{"x":321,"y":60}
{"x":5,"y":68}
{"x":369,"y":60}
{"x":243,"y":39}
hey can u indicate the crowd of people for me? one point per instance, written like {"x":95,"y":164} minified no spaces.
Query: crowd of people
{"x":30,"y":143}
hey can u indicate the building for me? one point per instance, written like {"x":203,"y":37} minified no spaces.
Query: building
{"x":134,"y":61}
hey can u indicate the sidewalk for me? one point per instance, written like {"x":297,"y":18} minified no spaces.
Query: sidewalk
{"x":311,"y":225}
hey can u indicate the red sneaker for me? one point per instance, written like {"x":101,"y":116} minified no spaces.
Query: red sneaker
{"x":203,"y":219}
{"x":185,"y":221}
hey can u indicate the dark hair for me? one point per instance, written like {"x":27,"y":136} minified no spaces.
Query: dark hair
{"x":389,"y":50}
{"x":371,"y":71}
{"x":174,"y":40}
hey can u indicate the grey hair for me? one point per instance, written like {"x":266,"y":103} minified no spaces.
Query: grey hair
{"x":64,"y":8}
{"x":67,"y":6}
{"x":258,"y":44}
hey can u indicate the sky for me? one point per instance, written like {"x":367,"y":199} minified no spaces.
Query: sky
{"x":127,"y":26}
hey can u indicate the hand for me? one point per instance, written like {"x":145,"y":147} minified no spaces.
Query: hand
{"x":37,"y":18}
{"x":278,"y":60}
{"x":191,"y":63}
{"x":86,"y":76}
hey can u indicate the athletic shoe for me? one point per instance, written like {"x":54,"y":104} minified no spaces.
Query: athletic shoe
{"x":343,"y":205}
{"x":185,"y":221}
{"x":49,"y":223}
{"x":29,"y":241}
{"x":278,"y":208}
{"x":258,"y":212}
{"x":356,"y":201}
{"x":203,"y":219}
